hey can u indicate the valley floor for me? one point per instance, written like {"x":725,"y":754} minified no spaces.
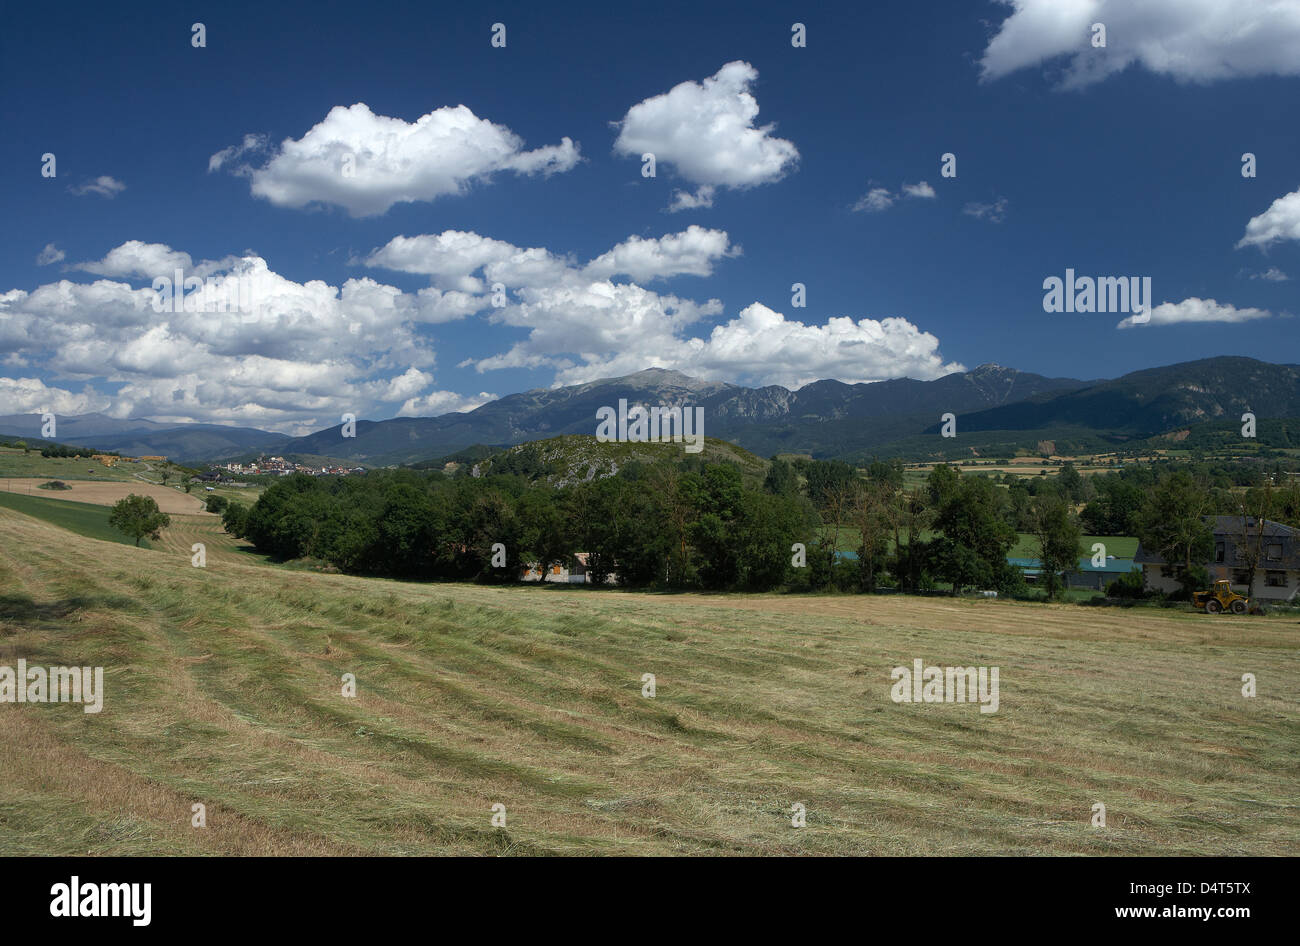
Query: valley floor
{"x":223,"y":687}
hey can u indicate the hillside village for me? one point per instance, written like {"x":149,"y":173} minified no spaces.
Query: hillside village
{"x":279,"y":466}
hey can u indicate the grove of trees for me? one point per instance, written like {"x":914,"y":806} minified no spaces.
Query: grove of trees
{"x":807,"y":525}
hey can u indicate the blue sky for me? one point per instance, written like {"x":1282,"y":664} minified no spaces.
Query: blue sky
{"x":1115,"y":161}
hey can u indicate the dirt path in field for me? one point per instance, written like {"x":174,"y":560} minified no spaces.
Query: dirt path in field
{"x":169,"y":500}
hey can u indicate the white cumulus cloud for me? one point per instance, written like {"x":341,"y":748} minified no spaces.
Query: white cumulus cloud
{"x":1188,"y":40}
{"x":283,"y":355}
{"x":1280,"y":222}
{"x":585,"y":323}
{"x":761,"y":346}
{"x":137,"y":258}
{"x":436,"y":403}
{"x":706,"y":131}
{"x":685,"y":200}
{"x":689,"y":253}
{"x":1197,"y":310}
{"x":366,"y":163}
{"x":452,"y":259}
{"x":33,"y":396}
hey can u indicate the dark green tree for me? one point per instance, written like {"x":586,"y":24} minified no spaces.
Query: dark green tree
{"x":869,"y":515}
{"x":972,"y":551}
{"x":138,"y":516}
{"x":1057,"y":533}
{"x":716,"y":498}
{"x":1170,"y":522}
{"x":235,"y":519}
{"x":782,"y":479}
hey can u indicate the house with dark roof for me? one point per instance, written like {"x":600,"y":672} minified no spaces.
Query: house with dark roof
{"x":1277,"y":571}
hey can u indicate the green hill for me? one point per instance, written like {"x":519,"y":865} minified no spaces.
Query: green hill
{"x":577,"y":458}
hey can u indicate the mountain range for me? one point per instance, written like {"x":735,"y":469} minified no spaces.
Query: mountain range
{"x":823,"y":418}
{"x":137,"y":437}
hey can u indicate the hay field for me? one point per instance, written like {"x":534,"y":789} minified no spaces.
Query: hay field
{"x":224,"y":688}
{"x":169,"y":500}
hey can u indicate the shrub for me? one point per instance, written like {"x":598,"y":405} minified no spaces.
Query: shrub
{"x":1132,"y":585}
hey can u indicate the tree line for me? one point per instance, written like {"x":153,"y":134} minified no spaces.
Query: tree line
{"x":808,"y":525}
{"x":56,"y":449}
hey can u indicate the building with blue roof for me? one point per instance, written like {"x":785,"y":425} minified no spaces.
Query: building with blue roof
{"x":1084,"y":575}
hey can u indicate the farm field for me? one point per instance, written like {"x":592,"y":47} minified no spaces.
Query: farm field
{"x":169,"y":499}
{"x":223,"y":687}
{"x":20,"y":472}
{"x":1121,"y":546}
{"x":84,"y":519}
{"x":16,"y":463}
{"x":247,"y":495}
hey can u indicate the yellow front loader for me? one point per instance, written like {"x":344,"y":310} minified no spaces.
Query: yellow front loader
{"x":1221,"y":599}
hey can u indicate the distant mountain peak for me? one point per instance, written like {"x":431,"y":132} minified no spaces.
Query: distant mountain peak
{"x":659,"y":377}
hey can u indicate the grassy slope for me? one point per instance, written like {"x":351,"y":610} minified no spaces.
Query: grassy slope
{"x":16,"y":463}
{"x":223,"y":687}
{"x":1118,"y":545}
{"x":82,"y":518}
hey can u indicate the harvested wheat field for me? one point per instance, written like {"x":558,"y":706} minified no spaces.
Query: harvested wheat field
{"x":223,"y":687}
{"x":169,"y":500}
